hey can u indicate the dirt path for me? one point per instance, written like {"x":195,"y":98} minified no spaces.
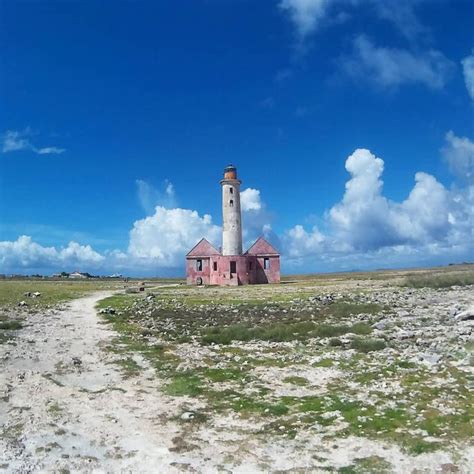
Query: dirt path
{"x":64,"y":405}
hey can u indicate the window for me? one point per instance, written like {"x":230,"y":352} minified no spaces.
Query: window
{"x":250,"y":265}
{"x":199,"y":265}
{"x":214,"y":266}
{"x":233,"y":266}
{"x":231,"y":203}
{"x":266,"y":263}
{"x":231,"y":190}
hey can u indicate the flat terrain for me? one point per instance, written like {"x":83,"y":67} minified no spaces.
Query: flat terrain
{"x":349,"y":373}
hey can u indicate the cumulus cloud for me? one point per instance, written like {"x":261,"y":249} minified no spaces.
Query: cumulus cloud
{"x":393,"y":67}
{"x":468,"y":70}
{"x":300,"y":243}
{"x":432,"y":220}
{"x":459,"y":154}
{"x":27,"y":254}
{"x":367,"y":220}
{"x":250,"y":200}
{"x":165,"y":237}
{"x":14,"y":140}
{"x":150,"y":197}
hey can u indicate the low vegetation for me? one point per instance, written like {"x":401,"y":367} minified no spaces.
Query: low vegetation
{"x":440,"y":280}
{"x":8,"y":326}
{"x":294,"y":359}
{"x":12,"y":292}
{"x":379,"y":358}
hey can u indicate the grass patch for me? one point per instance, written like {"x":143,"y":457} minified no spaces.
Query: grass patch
{"x":223,"y":375}
{"x":324,"y":363}
{"x":441,"y":280}
{"x":12,"y":325}
{"x":420,"y":446}
{"x":52,"y":292}
{"x":184,"y":384}
{"x":368,"y":345}
{"x":54,"y":408}
{"x":295,"y":380}
{"x":343,"y":309}
{"x":280,"y":332}
{"x":369,"y":465}
{"x":129,"y":367}
{"x":118,"y":302}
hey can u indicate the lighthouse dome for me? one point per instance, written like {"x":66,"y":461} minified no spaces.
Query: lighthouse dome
{"x":230,"y":172}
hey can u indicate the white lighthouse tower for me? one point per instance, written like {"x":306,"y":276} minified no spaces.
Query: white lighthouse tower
{"x":231,"y":216}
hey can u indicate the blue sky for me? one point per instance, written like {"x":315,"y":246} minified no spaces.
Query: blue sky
{"x":110,"y":109}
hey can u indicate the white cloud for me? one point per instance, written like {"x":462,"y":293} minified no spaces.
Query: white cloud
{"x":256,"y":219}
{"x":299,"y":243}
{"x":14,"y":140}
{"x":392,"y":67}
{"x":459,"y":154}
{"x":367,"y":220}
{"x":432,"y":220}
{"x":468,"y":70}
{"x":306,"y":15}
{"x":25,"y":253}
{"x":250,"y":200}
{"x":150,"y":197}
{"x":49,"y":150}
{"x":165,"y":237}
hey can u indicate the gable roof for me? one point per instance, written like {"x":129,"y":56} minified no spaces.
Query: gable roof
{"x":203,"y":249}
{"x":262,"y":247}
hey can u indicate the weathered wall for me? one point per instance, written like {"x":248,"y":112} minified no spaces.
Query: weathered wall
{"x":272,"y":273}
{"x":249,"y":270}
{"x":192,"y":273}
{"x":223,"y":276}
{"x":231,"y":218}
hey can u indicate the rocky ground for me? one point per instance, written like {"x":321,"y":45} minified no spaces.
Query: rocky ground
{"x":319,"y":375}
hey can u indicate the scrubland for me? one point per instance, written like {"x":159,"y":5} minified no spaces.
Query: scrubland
{"x":361,"y":372}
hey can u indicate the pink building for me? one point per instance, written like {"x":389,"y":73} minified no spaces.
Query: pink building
{"x":205,"y":265}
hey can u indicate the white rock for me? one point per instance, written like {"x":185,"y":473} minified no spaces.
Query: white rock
{"x":187,"y":415}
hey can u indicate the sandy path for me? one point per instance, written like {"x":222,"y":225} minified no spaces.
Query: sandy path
{"x":56,"y":414}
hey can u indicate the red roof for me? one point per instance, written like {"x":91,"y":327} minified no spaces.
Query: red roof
{"x":262,"y":247}
{"x":203,"y":249}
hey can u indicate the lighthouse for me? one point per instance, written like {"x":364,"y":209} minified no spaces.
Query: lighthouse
{"x":206,"y":265}
{"x":231,"y":215}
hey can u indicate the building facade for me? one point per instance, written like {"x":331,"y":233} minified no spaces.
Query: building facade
{"x":205,"y":265}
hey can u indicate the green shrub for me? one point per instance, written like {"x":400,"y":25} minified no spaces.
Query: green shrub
{"x":368,"y":345}
{"x":10,"y":325}
{"x":343,"y":309}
